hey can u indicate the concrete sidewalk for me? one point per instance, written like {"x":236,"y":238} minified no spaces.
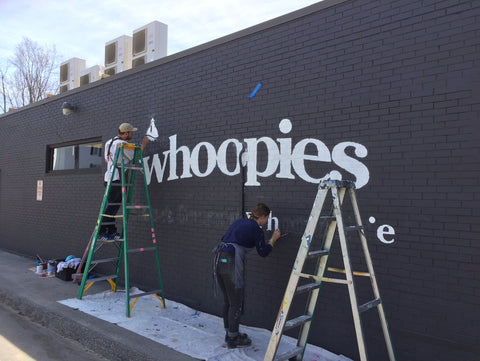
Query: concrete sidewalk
{"x":36,"y":298}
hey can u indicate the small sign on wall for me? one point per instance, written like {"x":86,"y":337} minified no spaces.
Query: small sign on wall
{"x":39,"y":190}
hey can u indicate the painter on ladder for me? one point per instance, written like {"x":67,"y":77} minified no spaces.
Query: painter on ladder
{"x":108,"y":229}
{"x":229,"y":267}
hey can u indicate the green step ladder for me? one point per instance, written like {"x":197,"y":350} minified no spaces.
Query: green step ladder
{"x":128,"y":172}
{"x":334,"y":221}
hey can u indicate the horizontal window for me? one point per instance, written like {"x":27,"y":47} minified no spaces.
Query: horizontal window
{"x":84,"y":154}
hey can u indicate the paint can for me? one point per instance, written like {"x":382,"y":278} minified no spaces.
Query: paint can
{"x":51,"y":268}
{"x":39,"y":269}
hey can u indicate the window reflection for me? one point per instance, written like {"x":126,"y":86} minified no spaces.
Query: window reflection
{"x":64,"y":158}
{"x":76,"y":156}
{"x":90,"y":155}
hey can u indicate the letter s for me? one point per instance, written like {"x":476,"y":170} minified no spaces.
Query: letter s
{"x":358,"y":169}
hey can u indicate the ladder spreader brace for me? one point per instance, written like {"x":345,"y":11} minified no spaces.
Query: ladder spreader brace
{"x":334,"y":223}
{"x":127,"y":170}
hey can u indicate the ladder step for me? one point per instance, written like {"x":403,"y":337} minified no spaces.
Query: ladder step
{"x":322,"y":279}
{"x":308,"y":287}
{"x":107,"y":223}
{"x":135,"y":250}
{"x":103,"y":278}
{"x":128,"y":207}
{"x":289,"y":354}
{"x":133,"y":167}
{"x":138,"y":207}
{"x":355,"y":273}
{"x":154,"y":292}
{"x":115,"y":184}
{"x":318,"y":253}
{"x":110,"y":240}
{"x":295,"y":322}
{"x":111,"y":216}
{"x":369,"y":305}
{"x":354,"y":228}
{"x":104,"y":260}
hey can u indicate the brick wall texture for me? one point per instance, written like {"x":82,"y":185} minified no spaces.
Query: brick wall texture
{"x":386,"y":93}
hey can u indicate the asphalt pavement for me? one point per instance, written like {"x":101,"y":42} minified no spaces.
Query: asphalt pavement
{"x":24,"y":340}
{"x":35,"y":298}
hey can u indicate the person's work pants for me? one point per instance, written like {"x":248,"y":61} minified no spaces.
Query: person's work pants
{"x":115,"y":196}
{"x":232,"y":297}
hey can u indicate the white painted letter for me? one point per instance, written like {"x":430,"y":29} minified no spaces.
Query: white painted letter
{"x":211,"y":156}
{"x":383,"y":230}
{"x":222,"y":157}
{"x":157,"y":166}
{"x":285,"y":158}
{"x":299,"y":157}
{"x":173,"y":159}
{"x":358,"y":169}
{"x":272,"y":159}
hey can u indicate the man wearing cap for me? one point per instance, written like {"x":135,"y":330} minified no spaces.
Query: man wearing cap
{"x":108,"y":230}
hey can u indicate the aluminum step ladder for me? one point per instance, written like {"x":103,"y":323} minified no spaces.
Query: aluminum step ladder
{"x":128,"y":174}
{"x":338,"y":189}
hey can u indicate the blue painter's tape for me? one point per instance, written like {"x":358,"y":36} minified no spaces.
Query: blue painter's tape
{"x":255,"y":90}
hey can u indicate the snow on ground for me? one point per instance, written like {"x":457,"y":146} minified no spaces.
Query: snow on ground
{"x":184,"y":329}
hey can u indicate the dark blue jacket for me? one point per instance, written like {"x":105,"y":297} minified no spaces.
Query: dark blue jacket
{"x":247,"y":233}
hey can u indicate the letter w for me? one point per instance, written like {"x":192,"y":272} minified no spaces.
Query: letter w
{"x":156,"y":165}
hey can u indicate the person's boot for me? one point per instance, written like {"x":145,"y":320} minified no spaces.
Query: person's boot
{"x":241,"y":340}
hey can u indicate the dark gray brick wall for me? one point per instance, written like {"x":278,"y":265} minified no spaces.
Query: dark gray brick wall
{"x":399,"y":77}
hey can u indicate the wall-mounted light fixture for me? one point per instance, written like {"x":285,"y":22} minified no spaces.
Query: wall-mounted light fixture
{"x":68,"y":108}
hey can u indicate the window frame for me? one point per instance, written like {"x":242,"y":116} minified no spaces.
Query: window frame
{"x":76,"y":166}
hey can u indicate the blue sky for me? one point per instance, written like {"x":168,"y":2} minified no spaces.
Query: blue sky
{"x":80,"y":28}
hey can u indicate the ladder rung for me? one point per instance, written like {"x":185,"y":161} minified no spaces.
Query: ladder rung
{"x":319,"y":253}
{"x":111,"y":216}
{"x":155,"y":292}
{"x":104,"y":260}
{"x":134,"y":250}
{"x":353,"y":228}
{"x":107,"y":223}
{"x":132,"y":167}
{"x":110,"y":240}
{"x":115,"y":184}
{"x":355,"y":273}
{"x":323,"y":279}
{"x":329,"y":217}
{"x":369,"y":305}
{"x":289,"y":354}
{"x":103,"y":278}
{"x":308,"y":287}
{"x":295,"y":322}
{"x":138,"y":207}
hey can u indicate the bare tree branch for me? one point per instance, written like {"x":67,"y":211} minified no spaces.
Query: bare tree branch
{"x":33,"y":76}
